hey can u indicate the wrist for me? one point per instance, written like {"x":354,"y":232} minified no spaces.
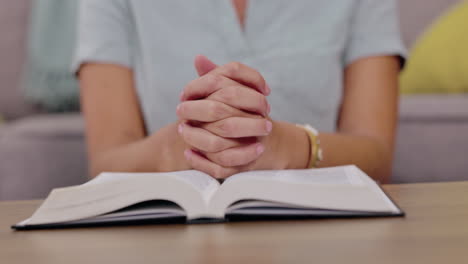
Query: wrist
{"x":292,"y":146}
{"x":170,"y":147}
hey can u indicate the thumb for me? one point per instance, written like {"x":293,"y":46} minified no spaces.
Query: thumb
{"x":203,"y":65}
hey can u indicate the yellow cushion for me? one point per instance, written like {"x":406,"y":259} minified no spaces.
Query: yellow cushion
{"x":438,"y":62}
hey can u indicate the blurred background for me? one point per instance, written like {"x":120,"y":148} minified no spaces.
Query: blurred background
{"x":42,"y":133}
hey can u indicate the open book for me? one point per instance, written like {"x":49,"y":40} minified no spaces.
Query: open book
{"x":116,"y":198}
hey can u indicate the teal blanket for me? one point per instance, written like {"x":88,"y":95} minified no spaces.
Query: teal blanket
{"x":48,"y":80}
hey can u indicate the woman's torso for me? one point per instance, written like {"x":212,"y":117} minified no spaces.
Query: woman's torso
{"x":298,"y":48}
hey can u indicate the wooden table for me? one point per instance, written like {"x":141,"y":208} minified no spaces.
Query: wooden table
{"x":435,"y":230}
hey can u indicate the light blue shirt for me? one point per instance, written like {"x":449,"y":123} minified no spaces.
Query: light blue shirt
{"x":301,"y":47}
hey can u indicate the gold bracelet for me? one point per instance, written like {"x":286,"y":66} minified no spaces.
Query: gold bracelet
{"x":316,"y":154}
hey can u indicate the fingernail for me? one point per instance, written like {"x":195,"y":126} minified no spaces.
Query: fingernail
{"x":267,"y":88}
{"x":178,"y":108}
{"x":181,"y":97}
{"x":188,"y":154}
{"x":269,"y":108}
{"x":269,"y":126}
{"x":260,"y":149}
{"x":181,"y":128}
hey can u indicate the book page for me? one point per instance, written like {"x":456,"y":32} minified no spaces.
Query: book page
{"x":112,"y":191}
{"x":344,"y":188}
{"x":334,"y":175}
{"x":200,"y":181}
{"x":204,"y":183}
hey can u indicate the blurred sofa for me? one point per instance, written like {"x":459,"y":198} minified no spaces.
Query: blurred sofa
{"x":40,"y":151}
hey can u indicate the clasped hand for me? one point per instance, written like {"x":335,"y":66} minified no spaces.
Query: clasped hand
{"x":224,"y":119}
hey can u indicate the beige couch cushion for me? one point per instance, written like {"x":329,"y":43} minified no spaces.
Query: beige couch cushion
{"x":39,"y":153}
{"x":432,"y":142}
